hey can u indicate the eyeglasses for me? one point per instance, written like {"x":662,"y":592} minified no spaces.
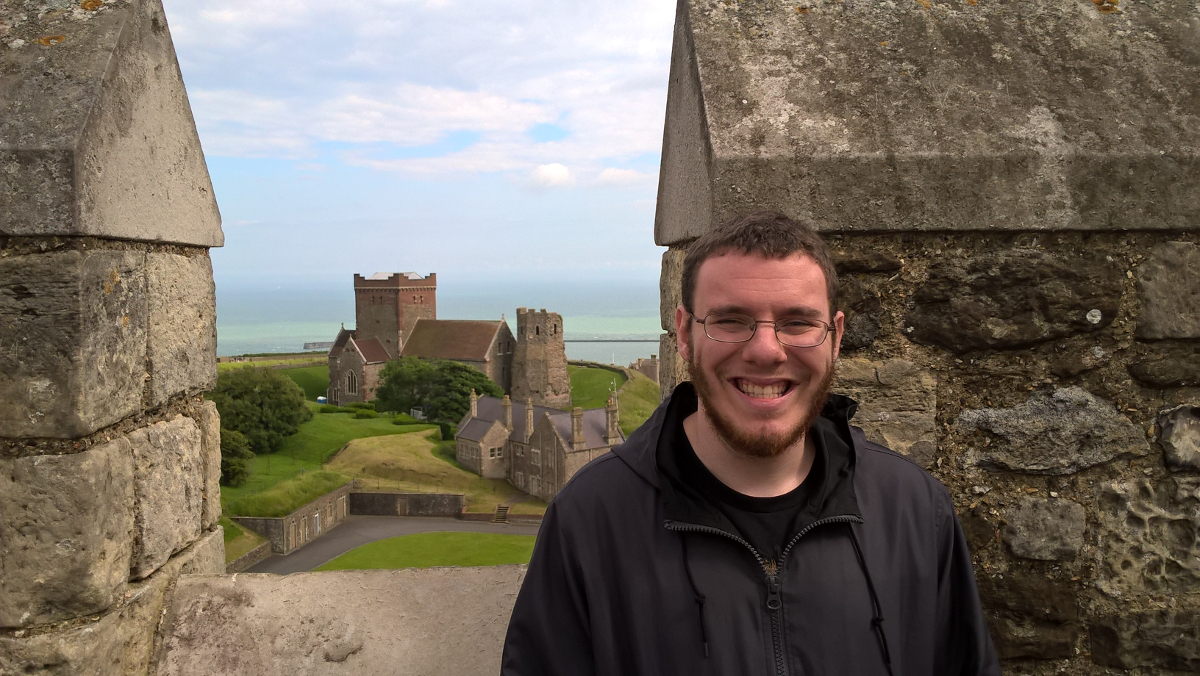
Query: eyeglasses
{"x":793,"y":332}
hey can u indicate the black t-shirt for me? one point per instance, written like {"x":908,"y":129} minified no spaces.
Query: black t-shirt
{"x":768,"y":524}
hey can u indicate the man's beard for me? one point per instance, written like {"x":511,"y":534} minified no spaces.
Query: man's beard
{"x":757,"y":445}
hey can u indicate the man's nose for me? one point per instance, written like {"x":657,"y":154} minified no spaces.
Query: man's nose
{"x":764,"y":346}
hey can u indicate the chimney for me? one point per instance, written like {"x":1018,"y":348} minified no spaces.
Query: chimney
{"x":528,"y":418}
{"x":612,"y":435}
{"x":577,"y":440}
{"x":474,"y":403}
{"x":506,"y":403}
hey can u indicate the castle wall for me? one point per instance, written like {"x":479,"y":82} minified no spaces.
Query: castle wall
{"x":288,"y":533}
{"x":1019,"y":278}
{"x":109,"y":456}
{"x":539,"y":362}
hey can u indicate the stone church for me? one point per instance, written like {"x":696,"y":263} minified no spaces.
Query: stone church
{"x":536,"y":448}
{"x":396,"y":316}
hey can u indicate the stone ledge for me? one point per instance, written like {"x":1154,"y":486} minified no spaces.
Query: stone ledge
{"x":359,"y":623}
{"x":96,"y":135}
{"x":931,"y":116}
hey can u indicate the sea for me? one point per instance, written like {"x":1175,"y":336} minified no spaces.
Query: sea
{"x":281,"y":317}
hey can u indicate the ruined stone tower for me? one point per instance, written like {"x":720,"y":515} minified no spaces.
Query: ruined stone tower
{"x":540,"y":362}
{"x":387,"y":306}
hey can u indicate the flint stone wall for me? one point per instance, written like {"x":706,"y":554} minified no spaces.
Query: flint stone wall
{"x":1013,"y":210}
{"x":109,"y":458}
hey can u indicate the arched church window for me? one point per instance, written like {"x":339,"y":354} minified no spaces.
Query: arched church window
{"x":352,"y":383}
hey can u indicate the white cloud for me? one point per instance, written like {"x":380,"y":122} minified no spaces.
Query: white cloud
{"x":551,"y":176}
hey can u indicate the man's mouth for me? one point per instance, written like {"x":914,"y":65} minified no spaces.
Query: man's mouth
{"x":771,"y":391}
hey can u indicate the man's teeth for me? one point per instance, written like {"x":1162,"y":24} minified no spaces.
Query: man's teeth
{"x":762,"y":392}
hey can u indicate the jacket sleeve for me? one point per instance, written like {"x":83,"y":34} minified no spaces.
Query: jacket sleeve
{"x":548,"y":634}
{"x":965,"y":645}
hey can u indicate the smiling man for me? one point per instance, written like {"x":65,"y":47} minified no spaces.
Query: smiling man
{"x":747,"y":527}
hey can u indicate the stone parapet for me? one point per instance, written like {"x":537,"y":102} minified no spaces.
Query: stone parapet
{"x":932,"y":116}
{"x":341,"y":622}
{"x":96,"y":133}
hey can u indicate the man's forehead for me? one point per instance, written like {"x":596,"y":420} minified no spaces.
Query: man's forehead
{"x":735,"y":277}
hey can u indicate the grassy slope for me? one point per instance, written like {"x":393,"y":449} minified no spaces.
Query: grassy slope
{"x":237,"y":540}
{"x":590,"y":386}
{"x":638,"y":400}
{"x":227,"y":365}
{"x":437,"y":549}
{"x":314,"y":380}
{"x":415,"y":462}
{"x":305,"y":451}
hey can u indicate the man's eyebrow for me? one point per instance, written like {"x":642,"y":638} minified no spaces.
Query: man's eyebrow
{"x":798,"y":312}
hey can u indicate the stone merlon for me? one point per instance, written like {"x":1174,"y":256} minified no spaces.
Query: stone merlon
{"x":933,"y":115}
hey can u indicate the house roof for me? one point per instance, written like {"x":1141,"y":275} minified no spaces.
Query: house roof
{"x":490,"y":409}
{"x":372,"y":350}
{"x":467,"y":340}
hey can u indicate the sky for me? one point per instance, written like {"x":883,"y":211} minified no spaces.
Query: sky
{"x":484,"y":141}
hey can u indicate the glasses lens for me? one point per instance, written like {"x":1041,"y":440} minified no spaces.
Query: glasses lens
{"x":729,"y":328}
{"x":801,"y":332}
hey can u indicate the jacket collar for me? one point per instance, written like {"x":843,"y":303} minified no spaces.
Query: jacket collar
{"x":834,"y":497}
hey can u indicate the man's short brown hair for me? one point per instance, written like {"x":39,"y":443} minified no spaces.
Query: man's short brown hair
{"x":769,"y":234}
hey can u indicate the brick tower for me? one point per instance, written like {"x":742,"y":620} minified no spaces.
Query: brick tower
{"x":388,"y":304}
{"x":540,"y":362}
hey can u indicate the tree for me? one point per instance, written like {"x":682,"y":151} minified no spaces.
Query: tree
{"x":263,"y":404}
{"x":439,"y":387}
{"x":235,"y":453}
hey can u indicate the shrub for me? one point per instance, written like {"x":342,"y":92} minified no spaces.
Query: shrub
{"x":362,"y":404}
{"x":447,"y":430}
{"x":235,"y":453}
{"x":405,"y":419}
{"x":330,"y":408}
{"x":440,"y":387}
{"x":263,"y":404}
{"x":365,"y":413}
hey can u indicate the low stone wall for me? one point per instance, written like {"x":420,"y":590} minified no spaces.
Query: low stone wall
{"x":243,"y":562}
{"x":432,"y":621}
{"x":290,"y":532}
{"x":406,"y":504}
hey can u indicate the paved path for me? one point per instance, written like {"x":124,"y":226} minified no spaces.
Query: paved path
{"x":356,"y":531}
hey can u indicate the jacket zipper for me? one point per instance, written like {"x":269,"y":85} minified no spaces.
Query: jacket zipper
{"x":771,"y":569}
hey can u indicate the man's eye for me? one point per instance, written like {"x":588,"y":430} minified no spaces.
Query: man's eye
{"x":796,"y":326}
{"x":729,"y":322}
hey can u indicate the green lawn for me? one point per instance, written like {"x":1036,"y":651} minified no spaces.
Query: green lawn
{"x":590,"y":386}
{"x":237,"y":540}
{"x":437,"y":549}
{"x":314,"y":380}
{"x":227,"y":365}
{"x":638,"y":400}
{"x":304,"y":452}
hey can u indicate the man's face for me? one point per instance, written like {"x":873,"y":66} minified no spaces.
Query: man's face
{"x":760,"y":396}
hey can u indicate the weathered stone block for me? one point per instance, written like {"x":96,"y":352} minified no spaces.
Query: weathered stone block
{"x":120,"y":642}
{"x":96,"y":133}
{"x":169,"y":483}
{"x":931,"y":116}
{"x":1045,"y":530}
{"x":318,"y":622}
{"x":1030,"y":616}
{"x":897,"y":404}
{"x":1054,"y":432}
{"x":72,"y":341}
{"x":863,"y":312}
{"x":1169,"y":288}
{"x":182,"y":338}
{"x":1148,"y":536}
{"x":1179,"y":434}
{"x":205,"y":556}
{"x":1014,"y":299}
{"x":66,"y":533}
{"x":209,"y":422}
{"x":1175,"y":366}
{"x":1166,"y":639}
{"x":669,"y":287}
{"x":672,"y":369}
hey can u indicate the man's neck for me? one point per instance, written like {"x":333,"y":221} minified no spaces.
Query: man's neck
{"x":748,"y":475}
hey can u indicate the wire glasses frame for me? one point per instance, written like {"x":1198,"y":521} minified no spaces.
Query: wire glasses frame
{"x":793,"y":332}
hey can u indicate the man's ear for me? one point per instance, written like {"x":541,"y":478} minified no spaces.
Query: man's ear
{"x":839,"y":328}
{"x":683,"y":333}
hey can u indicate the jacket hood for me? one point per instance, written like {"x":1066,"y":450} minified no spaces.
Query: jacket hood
{"x":833,"y":495}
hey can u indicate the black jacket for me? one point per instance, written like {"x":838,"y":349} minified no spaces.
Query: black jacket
{"x":633,"y":575}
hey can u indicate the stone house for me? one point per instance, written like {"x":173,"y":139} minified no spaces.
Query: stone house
{"x":537,"y":449}
{"x":289,"y":533}
{"x":354,"y":367}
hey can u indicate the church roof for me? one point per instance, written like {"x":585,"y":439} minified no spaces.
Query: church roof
{"x":490,"y":409}
{"x":460,"y":339}
{"x":372,"y":350}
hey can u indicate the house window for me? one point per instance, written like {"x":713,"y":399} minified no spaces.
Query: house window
{"x":537,"y":330}
{"x":534,"y":484}
{"x":535,"y":458}
{"x":351,"y":383}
